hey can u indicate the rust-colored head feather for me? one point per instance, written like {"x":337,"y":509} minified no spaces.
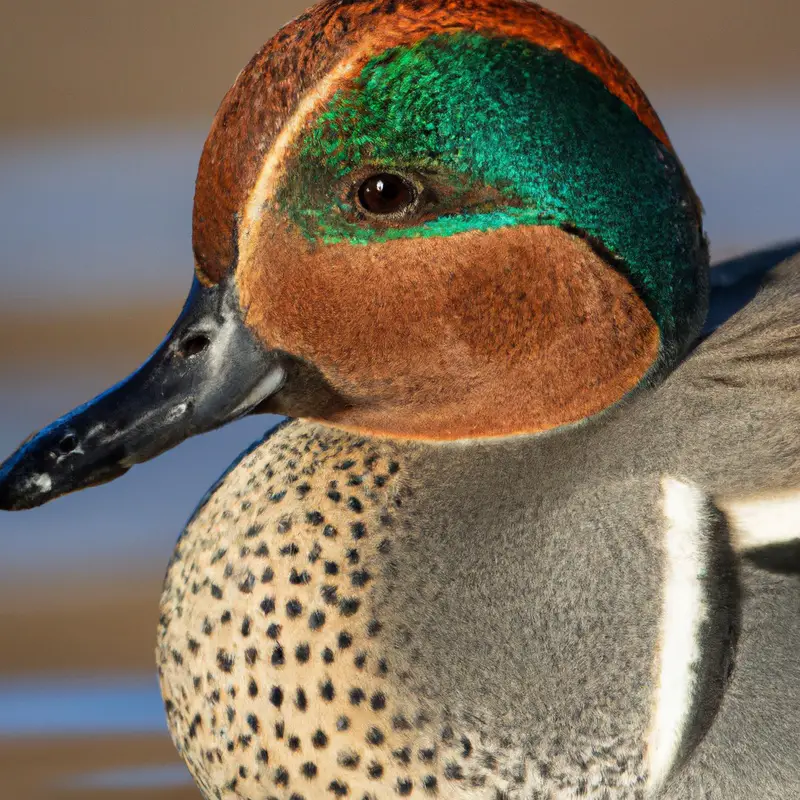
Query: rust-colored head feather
{"x":538,"y":250}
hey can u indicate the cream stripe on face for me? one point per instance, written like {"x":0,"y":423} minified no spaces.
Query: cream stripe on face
{"x":684,"y":610}
{"x":274,"y":163}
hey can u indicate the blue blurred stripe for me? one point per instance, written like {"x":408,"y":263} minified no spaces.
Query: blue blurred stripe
{"x":80,"y":706}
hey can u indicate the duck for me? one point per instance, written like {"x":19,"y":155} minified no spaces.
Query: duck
{"x":522,"y":534}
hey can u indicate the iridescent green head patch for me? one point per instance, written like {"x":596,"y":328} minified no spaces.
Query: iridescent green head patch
{"x":535,"y":137}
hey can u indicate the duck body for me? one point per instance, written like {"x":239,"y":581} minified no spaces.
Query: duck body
{"x":563,"y":616}
{"x":515,"y":542}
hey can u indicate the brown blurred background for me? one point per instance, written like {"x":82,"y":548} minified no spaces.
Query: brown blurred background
{"x":105,"y":105}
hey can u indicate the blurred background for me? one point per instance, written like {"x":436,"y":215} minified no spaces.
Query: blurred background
{"x":104,"y":108}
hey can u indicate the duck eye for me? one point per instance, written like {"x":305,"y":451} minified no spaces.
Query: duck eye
{"x":385,"y":194}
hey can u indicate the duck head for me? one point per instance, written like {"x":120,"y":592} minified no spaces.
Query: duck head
{"x":419,"y":219}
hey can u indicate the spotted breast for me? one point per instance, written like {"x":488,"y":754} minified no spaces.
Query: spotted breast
{"x":271,"y":649}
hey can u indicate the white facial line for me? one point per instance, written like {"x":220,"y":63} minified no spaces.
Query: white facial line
{"x":273,"y":166}
{"x":763,"y":521}
{"x":684,"y":609}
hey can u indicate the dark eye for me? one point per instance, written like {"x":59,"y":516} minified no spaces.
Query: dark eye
{"x":386,"y":194}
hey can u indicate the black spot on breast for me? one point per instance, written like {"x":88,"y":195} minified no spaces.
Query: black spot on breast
{"x":355,"y":505}
{"x":356,"y":696}
{"x":281,"y":777}
{"x":309,"y":770}
{"x":274,"y":630}
{"x":348,"y":759}
{"x":329,"y":594}
{"x":319,"y":739}
{"x":316,"y":620}
{"x":327,"y":691}
{"x":375,"y":770}
{"x":276,"y":696}
{"x":294,"y":609}
{"x":358,"y":530}
{"x":284,"y":524}
{"x":224,"y":660}
{"x":299,"y":578}
{"x":359,"y":578}
{"x":375,"y":736}
{"x":348,"y":606}
{"x":268,"y":605}
{"x":302,"y":653}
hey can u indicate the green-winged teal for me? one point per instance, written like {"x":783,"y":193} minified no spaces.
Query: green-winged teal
{"x":512,"y":544}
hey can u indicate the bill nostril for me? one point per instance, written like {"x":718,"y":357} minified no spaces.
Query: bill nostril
{"x":193,"y":345}
{"x":68,"y":444}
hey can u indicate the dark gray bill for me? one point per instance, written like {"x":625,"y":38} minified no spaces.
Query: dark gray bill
{"x":209,"y":370}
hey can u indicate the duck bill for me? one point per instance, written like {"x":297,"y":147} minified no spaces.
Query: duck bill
{"x":208,"y":371}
